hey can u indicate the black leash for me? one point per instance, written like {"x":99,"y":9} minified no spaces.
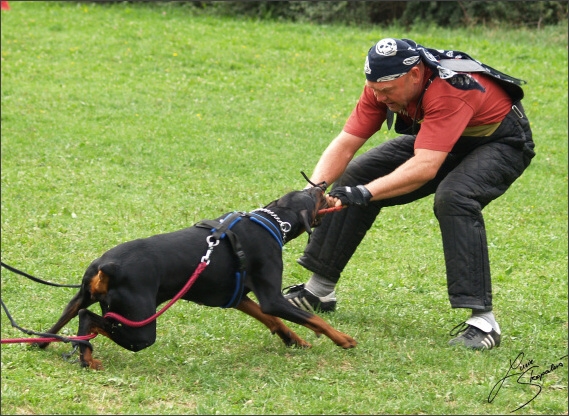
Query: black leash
{"x":47,"y":337}
{"x":35,"y":279}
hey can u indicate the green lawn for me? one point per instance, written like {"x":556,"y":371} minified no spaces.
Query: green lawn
{"x":123,"y":121}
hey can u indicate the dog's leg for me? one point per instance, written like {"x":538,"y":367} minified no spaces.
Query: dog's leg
{"x":275,"y":325}
{"x":284,"y":309}
{"x":90,"y":323}
{"x":272,"y":302}
{"x":320,"y":326}
{"x":130,"y":338}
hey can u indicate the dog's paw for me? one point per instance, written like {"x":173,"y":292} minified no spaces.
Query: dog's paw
{"x":293,"y":340}
{"x":347,"y":342}
{"x":92,"y":364}
{"x":96,"y":365}
{"x":300,"y":344}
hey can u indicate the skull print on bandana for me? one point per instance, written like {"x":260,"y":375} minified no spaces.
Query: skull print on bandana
{"x":386,"y":47}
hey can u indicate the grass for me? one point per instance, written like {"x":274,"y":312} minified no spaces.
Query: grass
{"x":122,"y":121}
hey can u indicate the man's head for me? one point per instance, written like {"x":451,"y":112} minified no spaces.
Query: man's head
{"x":394,"y":72}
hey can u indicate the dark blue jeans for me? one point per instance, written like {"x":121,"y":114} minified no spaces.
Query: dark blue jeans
{"x":477,"y":171}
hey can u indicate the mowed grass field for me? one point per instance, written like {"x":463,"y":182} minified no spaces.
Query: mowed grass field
{"x":123,"y":121}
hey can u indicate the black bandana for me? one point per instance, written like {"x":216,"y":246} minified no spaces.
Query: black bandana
{"x":390,"y":59}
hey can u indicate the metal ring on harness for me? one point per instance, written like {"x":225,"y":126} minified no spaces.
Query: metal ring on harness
{"x":286,"y":227}
{"x":211,"y":242}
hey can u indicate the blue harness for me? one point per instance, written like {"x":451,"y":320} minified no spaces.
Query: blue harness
{"x":222,"y":229}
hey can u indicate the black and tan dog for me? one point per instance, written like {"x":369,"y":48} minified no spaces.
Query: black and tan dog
{"x":133,"y":278}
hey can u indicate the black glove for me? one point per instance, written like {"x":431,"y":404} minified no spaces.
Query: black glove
{"x":352,"y":195}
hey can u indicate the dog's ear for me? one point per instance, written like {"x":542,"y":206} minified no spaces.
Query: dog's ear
{"x":110,"y":269}
{"x":305,"y":215}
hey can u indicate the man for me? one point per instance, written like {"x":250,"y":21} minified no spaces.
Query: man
{"x":465,"y":138}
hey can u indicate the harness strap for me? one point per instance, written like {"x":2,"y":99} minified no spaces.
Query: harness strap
{"x":219,"y":230}
{"x":222,"y":229}
{"x":267,"y":225}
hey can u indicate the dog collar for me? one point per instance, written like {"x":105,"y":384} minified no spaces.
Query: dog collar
{"x":285,"y":227}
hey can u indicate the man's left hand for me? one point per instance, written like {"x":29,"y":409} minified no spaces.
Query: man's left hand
{"x":352,"y":195}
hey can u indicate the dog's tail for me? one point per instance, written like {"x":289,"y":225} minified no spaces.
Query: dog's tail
{"x":80,"y":301}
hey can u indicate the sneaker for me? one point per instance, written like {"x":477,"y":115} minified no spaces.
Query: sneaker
{"x":304,"y":299}
{"x":473,"y":337}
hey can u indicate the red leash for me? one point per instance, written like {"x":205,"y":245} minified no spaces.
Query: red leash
{"x":182,"y":292}
{"x":44,"y":337}
{"x":38,"y":340}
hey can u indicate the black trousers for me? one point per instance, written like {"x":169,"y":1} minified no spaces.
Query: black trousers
{"x":477,"y":171}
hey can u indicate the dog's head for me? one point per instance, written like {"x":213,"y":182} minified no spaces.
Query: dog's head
{"x":304,"y":205}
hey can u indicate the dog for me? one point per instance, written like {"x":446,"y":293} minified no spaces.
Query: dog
{"x":135,"y":277}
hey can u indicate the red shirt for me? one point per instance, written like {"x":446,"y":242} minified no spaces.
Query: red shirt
{"x":444,"y":114}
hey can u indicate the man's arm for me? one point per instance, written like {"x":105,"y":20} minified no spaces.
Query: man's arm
{"x":411,"y":175}
{"x":336,"y":157}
